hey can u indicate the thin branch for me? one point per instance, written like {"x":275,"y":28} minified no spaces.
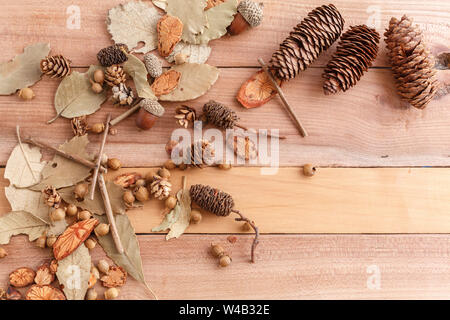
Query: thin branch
{"x":268,"y":134}
{"x":27,"y":160}
{"x":134,"y":107}
{"x":99,"y":158}
{"x":253,"y":225}
{"x":110,"y":214}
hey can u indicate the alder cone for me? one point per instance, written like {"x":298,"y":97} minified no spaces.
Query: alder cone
{"x":412,"y":62}
{"x":355,"y":53}
{"x":213,"y":200}
{"x":55,"y":66}
{"x":315,"y":34}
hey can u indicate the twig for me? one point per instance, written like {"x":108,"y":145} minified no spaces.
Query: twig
{"x":297,"y":122}
{"x":99,"y":158}
{"x":64,"y":154}
{"x":27,"y":160}
{"x":109,"y":213}
{"x":135,"y":107}
{"x":268,"y":134}
{"x":253,"y":225}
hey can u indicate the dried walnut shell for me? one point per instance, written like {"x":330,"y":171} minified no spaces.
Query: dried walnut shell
{"x":22,"y":277}
{"x":116,"y":277}
{"x":46,"y":292}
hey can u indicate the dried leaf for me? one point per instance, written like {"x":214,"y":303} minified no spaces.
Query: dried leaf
{"x":257,"y":90}
{"x":162,"y":4}
{"x":191,"y":13}
{"x":62,"y":172}
{"x":96,"y":206}
{"x":169,"y":34}
{"x":166,"y":83}
{"x":24,"y":70}
{"x":21,"y":222}
{"x":134,"y":22}
{"x":135,"y":68}
{"x":74,"y":272}
{"x":219,"y":18}
{"x":74,"y":96}
{"x":195,"y":53}
{"x":196,"y":80}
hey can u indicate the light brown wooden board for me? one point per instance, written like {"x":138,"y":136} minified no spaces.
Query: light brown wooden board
{"x":288,"y":267}
{"x":26,"y":21}
{"x":371,"y":200}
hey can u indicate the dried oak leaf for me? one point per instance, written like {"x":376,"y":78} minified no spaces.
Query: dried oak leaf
{"x":128,"y":179}
{"x":116,"y":277}
{"x":21,"y":222}
{"x":257,"y":90}
{"x":166,"y":83}
{"x":192,"y":15}
{"x":195,"y":53}
{"x":22,"y":277}
{"x":44,"y":275}
{"x":24,"y":70}
{"x":135,"y":68}
{"x":73,"y":237}
{"x":47,"y":292}
{"x":169,"y":30}
{"x":134,"y":22}
{"x":196,"y":79}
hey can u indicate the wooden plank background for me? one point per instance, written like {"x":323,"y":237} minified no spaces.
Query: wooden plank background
{"x":368,"y":126}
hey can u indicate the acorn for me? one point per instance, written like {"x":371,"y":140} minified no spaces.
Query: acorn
{"x":249,"y":15}
{"x":164,"y":173}
{"x":71,"y":210}
{"x":103,"y":266}
{"x":99,"y":76}
{"x":96,"y":87}
{"x":84,"y":215}
{"x":90,"y":243}
{"x":128,"y":197}
{"x":101,"y":230}
{"x":58,"y":214}
{"x":148,"y":114}
{"x":171,"y":202}
{"x":98,"y":128}
{"x":142,"y":194}
{"x":217,"y":250}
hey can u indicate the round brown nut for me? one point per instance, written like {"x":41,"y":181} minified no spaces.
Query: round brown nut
{"x":26,"y":94}
{"x":309,"y":170}
{"x":90,"y":243}
{"x":171,"y":202}
{"x":217,"y":250}
{"x":103,"y":266}
{"x":98,"y":128}
{"x":142,"y":194}
{"x":71,"y":210}
{"x":102,"y":230}
{"x":84,"y":215}
{"x":196,"y":216}
{"x":99,"y":76}
{"x":164,"y":173}
{"x":91,"y":294}
{"x":169,"y":165}
{"x":111,"y":293}
{"x":3,"y":253}
{"x":58,"y":214}
{"x":80,"y":191}
{"x":225,"y":166}
{"x":246,"y":226}
{"x":128,"y":197}
{"x":96,"y":87}
{"x":114,"y":164}
{"x":224,"y":261}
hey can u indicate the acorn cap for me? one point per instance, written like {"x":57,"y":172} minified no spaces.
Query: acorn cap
{"x":153,"y":65}
{"x":251,"y":11}
{"x":153,"y":107}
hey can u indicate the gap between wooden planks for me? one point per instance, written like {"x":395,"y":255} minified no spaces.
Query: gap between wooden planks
{"x":26,"y":21}
{"x":288,"y":267}
{"x":345,"y":200}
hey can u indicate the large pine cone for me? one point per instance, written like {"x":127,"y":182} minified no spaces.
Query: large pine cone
{"x":55,"y":66}
{"x":412,"y":62}
{"x":115,"y":75}
{"x":315,"y":34}
{"x":220,"y":115}
{"x":355,"y":53}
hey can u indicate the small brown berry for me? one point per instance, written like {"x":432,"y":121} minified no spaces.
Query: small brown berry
{"x":142,"y":194}
{"x":164,"y":173}
{"x":26,"y":94}
{"x":71,"y":210}
{"x":170,"y":146}
{"x":111,"y":293}
{"x":99,"y":76}
{"x":196,"y":216}
{"x":41,"y":241}
{"x":225,"y":166}
{"x":217,"y":250}
{"x":309,"y":170}
{"x":98,"y":128}
{"x":103,"y":266}
{"x":3,"y":253}
{"x":91,"y":294}
{"x":51,"y":241}
{"x":246,"y":227}
{"x":171,"y":202}
{"x":128,"y":197}
{"x":58,"y":214}
{"x":84,"y":215}
{"x":169,"y":165}
{"x":224,"y":261}
{"x":90,"y":243}
{"x":102,"y":230}
{"x":80,"y":191}
{"x":114,"y":164}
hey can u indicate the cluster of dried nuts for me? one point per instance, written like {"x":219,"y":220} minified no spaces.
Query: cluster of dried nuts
{"x":219,"y":252}
{"x":113,"y":277}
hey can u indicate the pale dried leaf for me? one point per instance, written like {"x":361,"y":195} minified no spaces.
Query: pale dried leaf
{"x":132,"y":23}
{"x":21,"y":222}
{"x":135,"y":68}
{"x":56,"y":228}
{"x":162,"y":4}
{"x":184,"y":204}
{"x":219,"y":18}
{"x":24,"y":70}
{"x":74,"y":96}
{"x":196,"y":80}
{"x":192,"y":14}
{"x":74,"y":273}
{"x":195,"y":53}
{"x":169,"y":220}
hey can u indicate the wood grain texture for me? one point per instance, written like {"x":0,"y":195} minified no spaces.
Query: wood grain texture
{"x":288,"y":267}
{"x":26,"y":21}
{"x":369,"y":200}
{"x":366,"y":126}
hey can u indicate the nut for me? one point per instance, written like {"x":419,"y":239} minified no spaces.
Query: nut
{"x":142,"y":194}
{"x":51,"y":241}
{"x":114,"y":164}
{"x":91,"y":294}
{"x":111,"y":293}
{"x":96,"y":87}
{"x":103,"y":266}
{"x":140,"y":183}
{"x":84,"y":215}
{"x":71,"y":210}
{"x":128,"y":197}
{"x":80,"y":191}
{"x":102,"y":230}
{"x":164,"y":173}
{"x":22,"y":277}
{"x":171,"y":202}
{"x":99,"y":76}
{"x":98,"y":128}
{"x":309,"y":170}
{"x":26,"y":94}
{"x":58,"y":214}
{"x":180,"y":58}
{"x":217,"y":250}
{"x":246,"y":226}
{"x":44,"y":275}
{"x":145,"y":120}
{"x":225,"y":166}
{"x":169,"y":165}
{"x":238,"y":25}
{"x":13,"y":294}
{"x":90,"y":243}
{"x":224,"y":261}
{"x":196,"y":216}
{"x":41,"y":241}
{"x":116,"y":277}
{"x":3,"y":253}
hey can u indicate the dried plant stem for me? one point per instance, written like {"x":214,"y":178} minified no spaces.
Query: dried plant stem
{"x":109,"y":213}
{"x":64,"y":154}
{"x":268,"y":134}
{"x":253,"y":225}
{"x":27,"y":160}
{"x":135,"y":107}
{"x":99,"y":158}
{"x":288,"y":107}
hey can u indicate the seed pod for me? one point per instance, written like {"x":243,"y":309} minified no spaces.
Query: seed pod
{"x":58,"y":214}
{"x":142,"y":194}
{"x":98,"y":128}
{"x":169,"y":165}
{"x":71,"y":210}
{"x":164,"y":173}
{"x":99,"y":76}
{"x":220,"y":115}
{"x":128,"y":197}
{"x":102,"y":230}
{"x":96,"y":87}
{"x":90,"y":243}
{"x":153,"y":65}
{"x":115,"y":54}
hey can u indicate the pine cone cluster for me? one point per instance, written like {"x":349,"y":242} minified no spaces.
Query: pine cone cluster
{"x":412,"y":62}
{"x":185,"y":115}
{"x":219,"y":115}
{"x":51,"y":197}
{"x":160,"y":187}
{"x":355,"y":53}
{"x":200,"y":154}
{"x":213,"y":200}
{"x":115,"y":54}
{"x":315,"y":34}
{"x":55,"y":66}
{"x":115,"y":75}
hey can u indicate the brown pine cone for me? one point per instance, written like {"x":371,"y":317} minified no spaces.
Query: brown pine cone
{"x":213,"y":200}
{"x":55,"y":66}
{"x":115,"y":75}
{"x":355,"y":53}
{"x":115,"y":54}
{"x":315,"y":34}
{"x":200,"y":154}
{"x":160,"y":188}
{"x":220,"y":115}
{"x":412,"y":62}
